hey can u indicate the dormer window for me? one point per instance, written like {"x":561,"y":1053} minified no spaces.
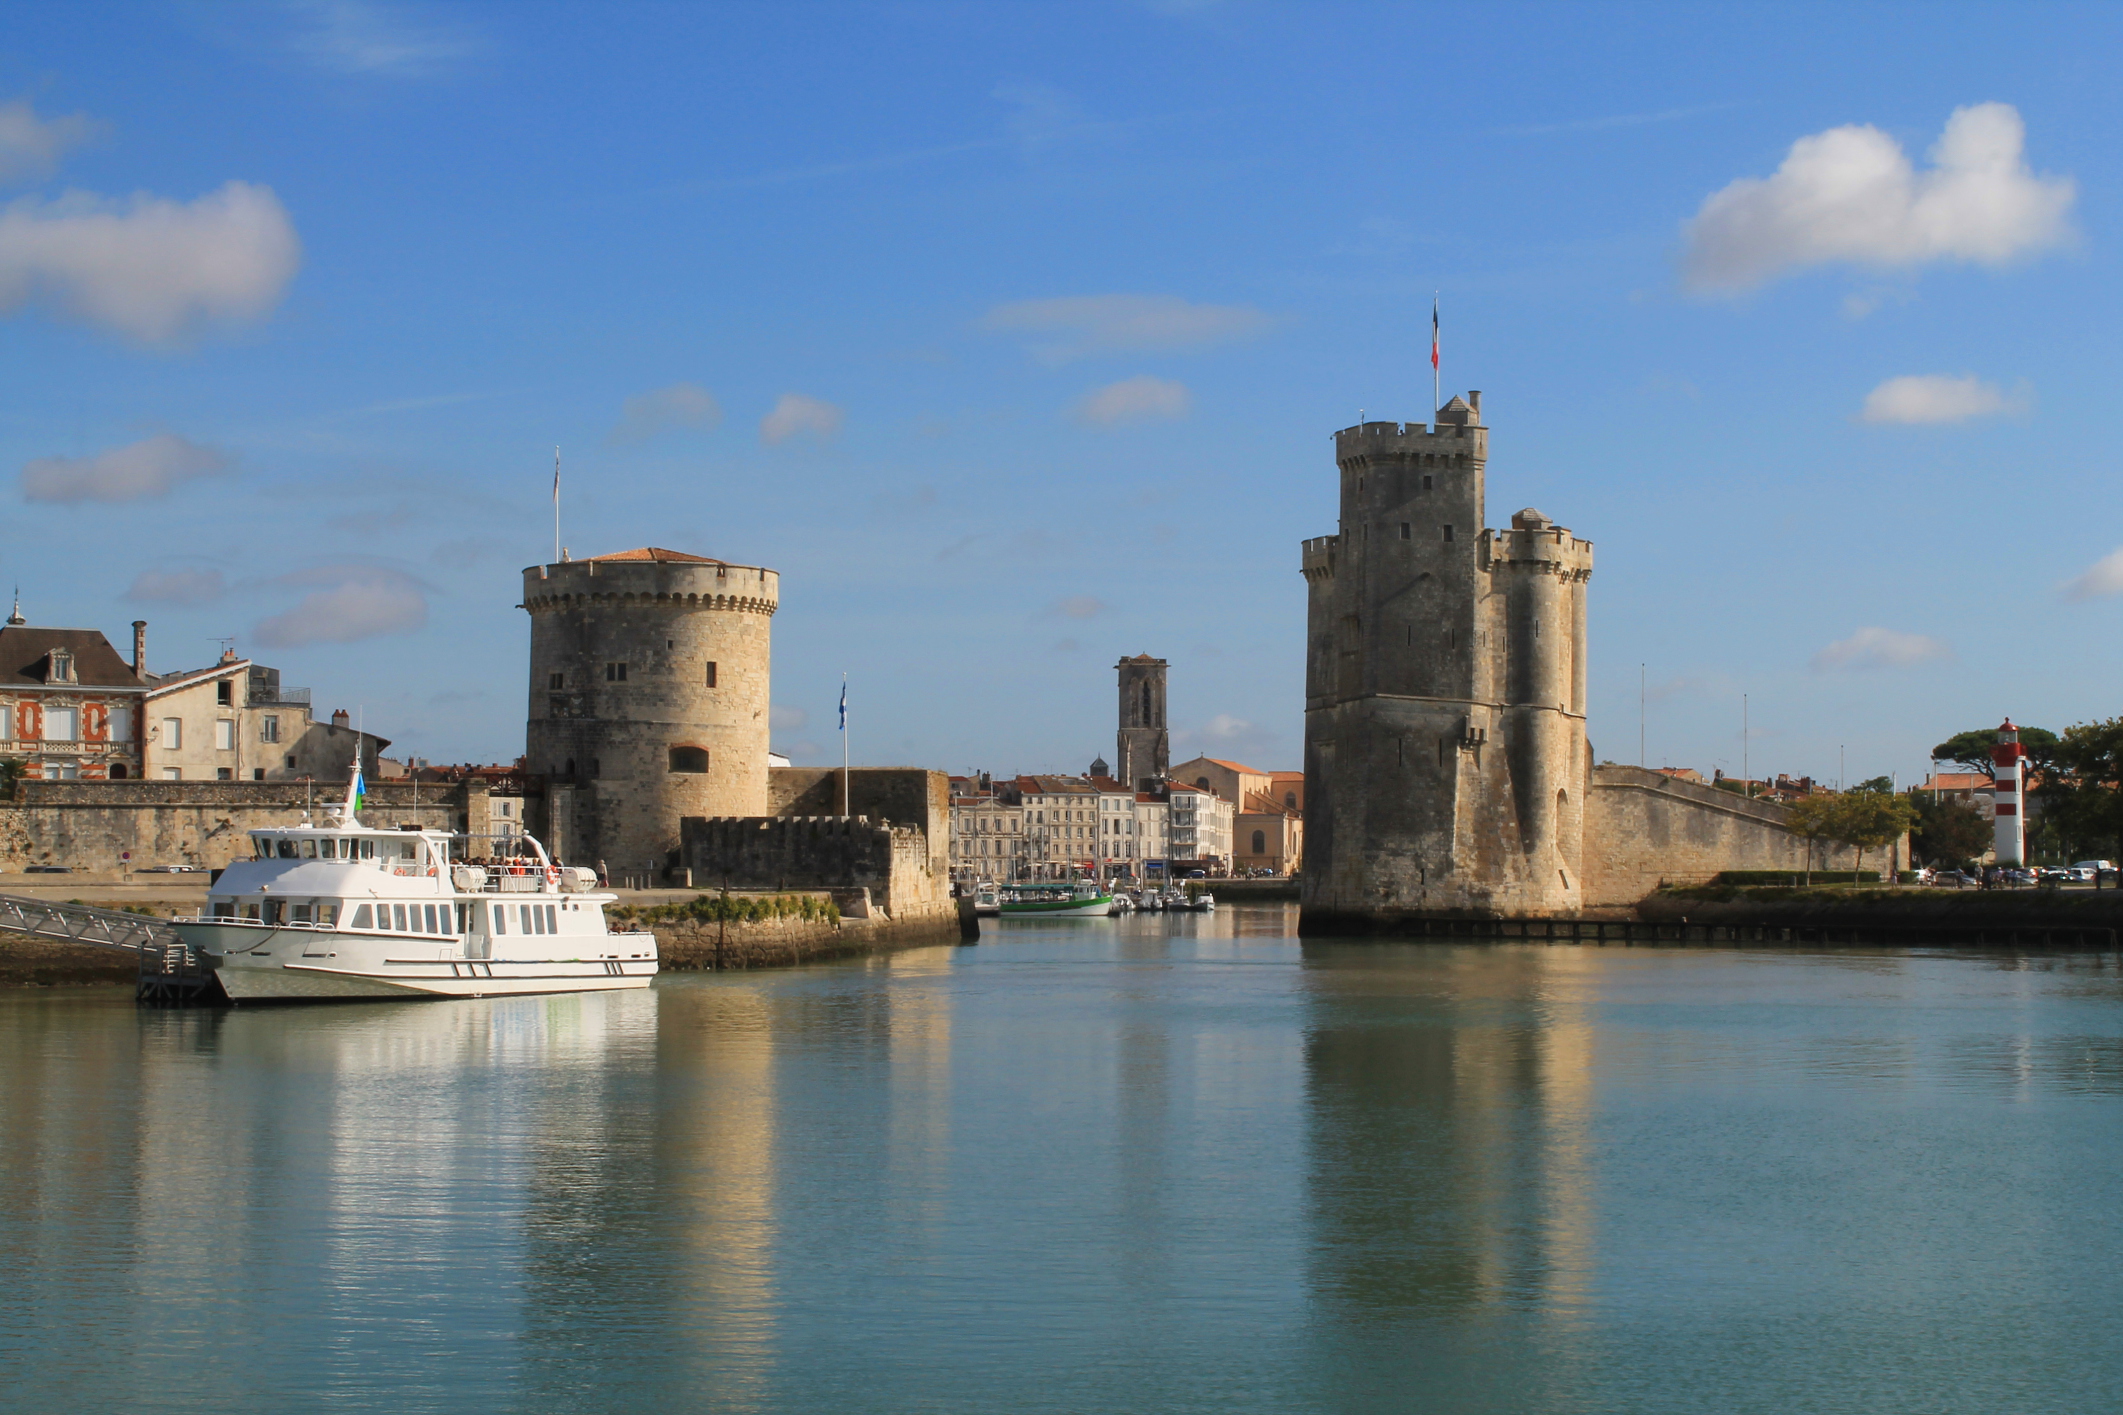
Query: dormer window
{"x":62,"y":667}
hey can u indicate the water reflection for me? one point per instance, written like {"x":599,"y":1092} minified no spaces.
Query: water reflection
{"x":1150,"y":1163}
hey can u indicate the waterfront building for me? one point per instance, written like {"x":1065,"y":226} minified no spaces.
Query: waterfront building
{"x":1061,"y":831}
{"x":1233,"y":781}
{"x":1200,"y":828}
{"x":987,"y":829}
{"x":69,"y":705}
{"x":235,"y":721}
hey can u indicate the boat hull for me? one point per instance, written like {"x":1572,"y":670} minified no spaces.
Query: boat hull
{"x":292,"y":964}
{"x":1087,"y":909}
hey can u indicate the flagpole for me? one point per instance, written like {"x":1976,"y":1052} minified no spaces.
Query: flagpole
{"x":844,"y":744}
{"x":556,"y":505}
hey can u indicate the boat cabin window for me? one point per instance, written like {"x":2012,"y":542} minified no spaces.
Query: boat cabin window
{"x":224,"y":908}
{"x":309,"y":849}
{"x":363,"y":919}
{"x":302,"y":914}
{"x":500,"y":913}
{"x":287,"y":849}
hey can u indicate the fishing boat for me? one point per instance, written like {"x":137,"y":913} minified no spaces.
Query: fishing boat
{"x":337,"y":909}
{"x":986,"y":905}
{"x":1055,"y":899}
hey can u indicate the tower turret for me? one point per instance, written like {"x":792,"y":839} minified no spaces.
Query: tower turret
{"x":1444,"y":728}
{"x":650,"y":680}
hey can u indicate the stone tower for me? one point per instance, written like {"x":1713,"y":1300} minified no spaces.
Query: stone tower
{"x":1143,"y":744}
{"x":648,"y":699}
{"x":1445,"y":754}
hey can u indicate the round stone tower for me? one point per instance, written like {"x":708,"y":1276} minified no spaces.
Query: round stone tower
{"x":648,"y":699}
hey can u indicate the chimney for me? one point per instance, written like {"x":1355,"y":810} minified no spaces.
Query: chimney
{"x":1474,"y":401}
{"x":140,"y":648}
{"x":340,"y":718}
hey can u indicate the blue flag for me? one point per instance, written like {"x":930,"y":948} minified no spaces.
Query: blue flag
{"x":843,"y":704}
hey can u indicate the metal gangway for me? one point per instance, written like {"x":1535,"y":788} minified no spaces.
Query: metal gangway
{"x":170,"y":971}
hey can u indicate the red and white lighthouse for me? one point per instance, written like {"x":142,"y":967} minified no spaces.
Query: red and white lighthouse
{"x":2008,"y":770}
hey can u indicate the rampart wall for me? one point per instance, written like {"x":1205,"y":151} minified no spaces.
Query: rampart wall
{"x":846,"y":856}
{"x":903,"y":795}
{"x":1642,"y":828}
{"x":89,"y":825}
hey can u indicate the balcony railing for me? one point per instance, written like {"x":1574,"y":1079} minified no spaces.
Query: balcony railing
{"x":279,"y":697}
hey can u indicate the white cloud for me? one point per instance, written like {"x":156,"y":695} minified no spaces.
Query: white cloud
{"x":150,"y":268}
{"x":357,"y":38}
{"x":1135,"y":400}
{"x":2103,"y":579}
{"x":178,"y":586}
{"x":1851,"y":194}
{"x":30,"y":147}
{"x":1079,"y":325}
{"x":1081,"y":606}
{"x":1880,"y":648}
{"x":796,"y":413}
{"x":1938,"y":398}
{"x":345,"y":603}
{"x":154,"y":466}
{"x":681,"y":405}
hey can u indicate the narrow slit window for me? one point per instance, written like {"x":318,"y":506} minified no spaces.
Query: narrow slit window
{"x":1448,"y":532}
{"x":1426,"y":481}
{"x":615,"y":673}
{"x":1406,"y":533}
{"x":711,"y":675}
{"x":556,"y":681}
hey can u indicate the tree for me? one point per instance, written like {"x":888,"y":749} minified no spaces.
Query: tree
{"x":1811,"y":818}
{"x":11,"y":771}
{"x":1971,"y":750}
{"x":2087,"y":797}
{"x":1866,"y":819}
{"x":1949,"y":831}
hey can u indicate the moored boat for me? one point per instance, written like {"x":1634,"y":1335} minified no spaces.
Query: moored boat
{"x":343,"y":910}
{"x":1055,"y":899}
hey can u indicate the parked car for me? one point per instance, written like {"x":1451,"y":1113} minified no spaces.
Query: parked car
{"x":1197,"y":874}
{"x":2079,"y":874}
{"x":47,"y":870}
{"x":1953,"y":879}
{"x":2105,"y":865}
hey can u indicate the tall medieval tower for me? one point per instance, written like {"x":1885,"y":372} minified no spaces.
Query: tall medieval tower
{"x":1445,"y":753}
{"x":648,"y":699}
{"x":1143,"y":745}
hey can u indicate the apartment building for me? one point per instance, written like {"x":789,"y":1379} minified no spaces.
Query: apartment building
{"x":988,"y":838}
{"x":1200,"y":828}
{"x":235,"y":722}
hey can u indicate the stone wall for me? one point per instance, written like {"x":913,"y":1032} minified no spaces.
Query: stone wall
{"x":88,"y":825}
{"x":1642,"y":829}
{"x":843,"y":855}
{"x":783,"y":943}
{"x":903,"y":795}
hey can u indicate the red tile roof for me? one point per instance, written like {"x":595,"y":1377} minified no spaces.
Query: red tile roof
{"x":661,"y":556}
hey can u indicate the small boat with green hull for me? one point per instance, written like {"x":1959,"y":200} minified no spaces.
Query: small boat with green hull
{"x":1055,"y":899}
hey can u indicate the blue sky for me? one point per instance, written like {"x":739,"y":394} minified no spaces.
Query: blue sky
{"x":1013,"y":336}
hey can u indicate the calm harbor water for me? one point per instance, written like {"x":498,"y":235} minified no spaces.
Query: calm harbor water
{"x":1183,"y":1164}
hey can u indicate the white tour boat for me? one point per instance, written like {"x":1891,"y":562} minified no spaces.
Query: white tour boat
{"x":343,"y":910}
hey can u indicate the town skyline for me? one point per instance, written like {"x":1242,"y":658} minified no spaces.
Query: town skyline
{"x":1020,"y":347}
